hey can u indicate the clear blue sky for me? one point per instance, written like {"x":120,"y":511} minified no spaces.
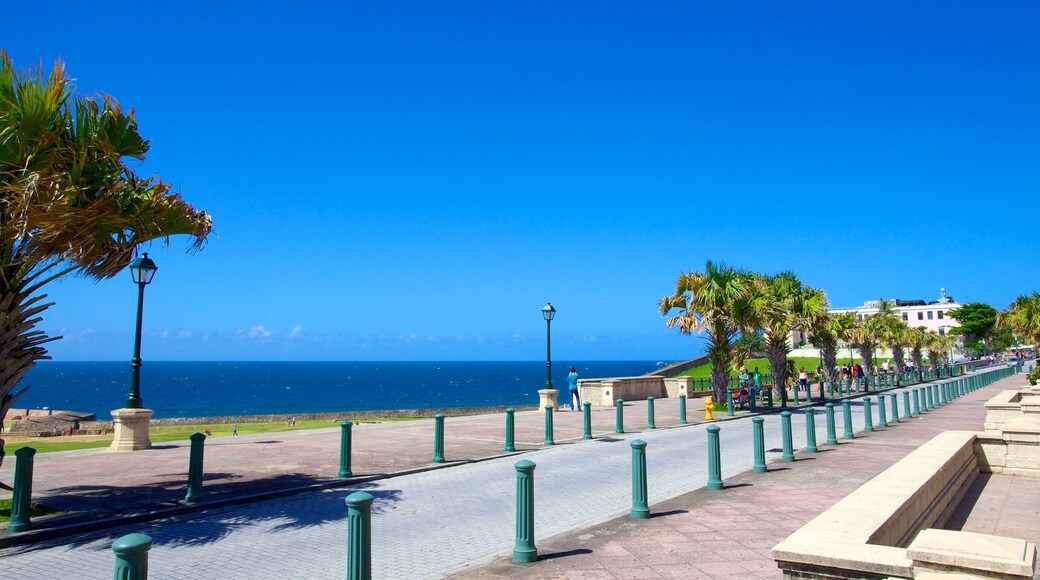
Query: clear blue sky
{"x":413,"y":181}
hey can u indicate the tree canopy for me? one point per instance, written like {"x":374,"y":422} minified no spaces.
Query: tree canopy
{"x":69,"y":203}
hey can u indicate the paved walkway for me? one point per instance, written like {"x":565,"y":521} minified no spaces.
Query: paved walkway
{"x":436,"y":523}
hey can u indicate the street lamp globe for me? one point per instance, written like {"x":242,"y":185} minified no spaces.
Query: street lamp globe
{"x":548,"y":312}
{"x":143,"y":269}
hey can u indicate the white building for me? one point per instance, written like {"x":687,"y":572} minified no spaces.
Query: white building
{"x":932,"y":315}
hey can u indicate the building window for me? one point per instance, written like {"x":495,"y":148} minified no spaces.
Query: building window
{"x":906,"y":316}
{"x":920,"y":315}
{"x":929,"y":315}
{"x":942,"y":330}
{"x":940,"y":315}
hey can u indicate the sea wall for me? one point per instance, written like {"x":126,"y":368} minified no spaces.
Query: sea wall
{"x":330,"y":416}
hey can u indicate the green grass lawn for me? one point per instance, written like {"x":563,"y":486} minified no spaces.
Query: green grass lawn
{"x":34,"y":511}
{"x":167,"y":433}
{"x":810,"y":364}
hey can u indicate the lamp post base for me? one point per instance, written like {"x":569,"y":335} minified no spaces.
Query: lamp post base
{"x":131,"y":426}
{"x":548,"y":397}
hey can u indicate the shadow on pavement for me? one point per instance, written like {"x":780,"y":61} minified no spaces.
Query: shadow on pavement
{"x":280,"y":514}
{"x":555,"y":555}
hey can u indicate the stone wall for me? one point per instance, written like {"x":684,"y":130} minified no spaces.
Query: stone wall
{"x":332,"y":416}
{"x":603,"y":392}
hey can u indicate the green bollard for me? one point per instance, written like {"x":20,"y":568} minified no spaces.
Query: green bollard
{"x":917,"y":402}
{"x":131,"y":553}
{"x":682,"y":409}
{"x":198,"y":442}
{"x":510,"y":430}
{"x":650,"y":413}
{"x":929,"y":403}
{"x":524,"y":550}
{"x":359,"y":536}
{"x":344,"y":448}
{"x":868,"y":416}
{"x":895,"y":408}
{"x":882,"y":411}
{"x":759,"y":436}
{"x":752,"y":400}
{"x":587,"y":409}
{"x":714,"y":459}
{"x":906,"y":404}
{"x":830,"y":388}
{"x":769,"y":400}
{"x":796,"y":401}
{"x":438,"y":438}
{"x":729,"y":402}
{"x":640,"y":510}
{"x":832,"y":434}
{"x":810,"y":430}
{"x":783,"y":397}
{"x":619,"y":416}
{"x":549,"y":425}
{"x":21,"y":501}
{"x":846,"y":414}
{"x":785,"y":432}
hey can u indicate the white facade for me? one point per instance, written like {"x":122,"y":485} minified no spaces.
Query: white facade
{"x":931,"y":315}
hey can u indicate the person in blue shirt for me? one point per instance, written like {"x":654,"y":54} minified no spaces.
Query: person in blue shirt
{"x":572,"y":383}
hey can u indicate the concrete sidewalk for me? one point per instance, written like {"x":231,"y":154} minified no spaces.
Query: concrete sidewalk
{"x":96,"y":484}
{"x":579,"y":484}
{"x":729,"y":533}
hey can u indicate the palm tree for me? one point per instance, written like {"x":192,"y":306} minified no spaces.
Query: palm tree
{"x":891,"y":332}
{"x":778,"y":305}
{"x":68,"y":204}
{"x":939,"y":347}
{"x":828,"y":332}
{"x":1022,"y":317}
{"x":712,"y":302}
{"x":918,"y":338}
{"x":866,"y":336}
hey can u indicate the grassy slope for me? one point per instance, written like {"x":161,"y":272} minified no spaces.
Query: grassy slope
{"x":168,"y":433}
{"x":810,"y":363}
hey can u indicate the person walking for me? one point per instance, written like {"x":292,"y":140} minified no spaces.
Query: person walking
{"x":572,"y":385}
{"x":234,"y":430}
{"x":756,"y":379}
{"x":803,"y":379}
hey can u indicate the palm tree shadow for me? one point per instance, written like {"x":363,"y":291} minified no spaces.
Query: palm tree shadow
{"x":276,"y":502}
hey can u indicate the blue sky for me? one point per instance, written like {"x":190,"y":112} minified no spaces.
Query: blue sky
{"x":413,"y":181}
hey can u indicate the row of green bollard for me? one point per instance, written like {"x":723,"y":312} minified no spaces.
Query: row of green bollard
{"x":525,"y":551}
{"x":131,"y":551}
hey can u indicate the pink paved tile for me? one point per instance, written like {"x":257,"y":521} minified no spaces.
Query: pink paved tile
{"x":731,"y":532}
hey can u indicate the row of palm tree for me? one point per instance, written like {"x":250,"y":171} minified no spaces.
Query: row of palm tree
{"x":725,"y":303}
{"x":1023,"y":318}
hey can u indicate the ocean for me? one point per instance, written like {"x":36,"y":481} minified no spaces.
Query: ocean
{"x":205,"y":389}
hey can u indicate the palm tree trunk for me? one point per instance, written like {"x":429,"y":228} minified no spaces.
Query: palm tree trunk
{"x":866,"y":355}
{"x":776,"y":352}
{"x":897,"y":356}
{"x":20,"y":344}
{"x":720,"y":356}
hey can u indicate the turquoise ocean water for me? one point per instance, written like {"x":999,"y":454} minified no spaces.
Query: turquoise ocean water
{"x":203,"y":389}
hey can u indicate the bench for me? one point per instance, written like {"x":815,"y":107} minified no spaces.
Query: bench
{"x":866,"y":534}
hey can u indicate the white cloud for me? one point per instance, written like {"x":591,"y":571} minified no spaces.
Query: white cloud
{"x":259,"y":331}
{"x":296,"y":331}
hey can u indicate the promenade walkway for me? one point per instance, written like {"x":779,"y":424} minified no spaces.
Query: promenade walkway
{"x":439,"y":522}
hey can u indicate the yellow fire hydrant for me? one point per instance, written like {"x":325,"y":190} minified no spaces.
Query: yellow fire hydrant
{"x":709,"y":407}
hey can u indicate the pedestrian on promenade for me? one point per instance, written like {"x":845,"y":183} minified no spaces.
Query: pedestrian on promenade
{"x":234,"y":430}
{"x":756,"y":379}
{"x":572,"y":385}
{"x":803,"y":379}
